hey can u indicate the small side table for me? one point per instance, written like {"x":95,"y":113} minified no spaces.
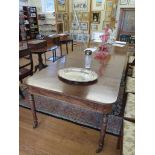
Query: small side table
{"x":54,"y":57}
{"x":38,"y":47}
{"x":66,"y":41}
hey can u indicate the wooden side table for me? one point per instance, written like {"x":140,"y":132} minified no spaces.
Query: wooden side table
{"x":38,"y":47}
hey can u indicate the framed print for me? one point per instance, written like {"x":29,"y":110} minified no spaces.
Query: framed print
{"x":59,"y":16}
{"x":79,"y":16}
{"x":123,"y":2}
{"x":65,"y":26}
{"x":61,"y":5}
{"x":131,"y":2}
{"x":84,"y":25}
{"x":80,"y":5}
{"x":74,"y":36}
{"x":75,"y":26}
{"x":65,"y":16}
{"x":95,"y":17}
{"x":94,"y":27}
{"x":83,"y":37}
{"x":109,"y":5}
{"x":60,"y":28}
{"x":108,"y":15}
{"x":71,"y":16}
{"x":98,"y":5}
{"x":85,"y":16}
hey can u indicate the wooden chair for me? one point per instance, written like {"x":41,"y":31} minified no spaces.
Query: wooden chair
{"x":39,"y":49}
{"x":128,"y":138}
{"x":26,"y":68}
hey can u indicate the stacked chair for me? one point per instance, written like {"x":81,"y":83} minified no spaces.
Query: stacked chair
{"x":127,"y":138}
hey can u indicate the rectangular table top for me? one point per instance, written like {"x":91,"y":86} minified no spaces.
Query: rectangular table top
{"x":104,"y":91}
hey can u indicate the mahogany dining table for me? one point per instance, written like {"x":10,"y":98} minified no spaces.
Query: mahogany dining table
{"x":97,"y":96}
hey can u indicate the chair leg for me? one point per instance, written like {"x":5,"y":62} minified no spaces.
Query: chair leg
{"x":72,"y":46}
{"x":45,"y":57}
{"x":21,"y":94}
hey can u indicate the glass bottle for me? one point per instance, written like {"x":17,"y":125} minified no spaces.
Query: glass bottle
{"x":88,"y":58}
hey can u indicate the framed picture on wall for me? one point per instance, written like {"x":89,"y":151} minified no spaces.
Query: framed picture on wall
{"x":65,"y":26}
{"x":75,"y":26}
{"x":60,"y":28}
{"x":98,"y":5}
{"x":123,"y":2}
{"x":131,"y":2}
{"x":85,"y":16}
{"x":79,"y":16}
{"x":61,"y":5}
{"x":94,"y":27}
{"x":65,"y":16}
{"x":84,"y":25}
{"x":75,"y":36}
{"x":108,"y":15}
{"x":95,"y":17}
{"x":109,"y":5}
{"x":80,"y":5}
{"x":59,"y":16}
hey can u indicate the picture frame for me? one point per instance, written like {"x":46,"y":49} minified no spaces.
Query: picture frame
{"x":94,"y":27}
{"x":74,"y":36}
{"x":131,"y":2}
{"x":108,"y":15}
{"x":75,"y":26}
{"x":65,"y":16}
{"x":80,"y":5}
{"x":83,"y":37}
{"x":98,"y":5}
{"x":79,"y":16}
{"x":84,"y":26}
{"x":59,"y":16}
{"x":123,"y":2}
{"x":95,"y":17}
{"x":85,"y":16}
{"x":109,"y":5}
{"x":61,"y":5}
{"x":65,"y":26}
{"x":60,"y":27}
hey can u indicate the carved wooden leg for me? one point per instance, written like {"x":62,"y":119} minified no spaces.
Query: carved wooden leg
{"x":33,"y":108}
{"x":102,"y":134}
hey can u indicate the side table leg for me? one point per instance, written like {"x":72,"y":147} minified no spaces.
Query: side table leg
{"x":67,"y":47}
{"x":60,"y":50}
{"x":102,"y":133}
{"x":33,"y":109}
{"x":72,"y":46}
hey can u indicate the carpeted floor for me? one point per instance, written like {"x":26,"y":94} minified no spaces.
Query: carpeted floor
{"x":72,"y":113}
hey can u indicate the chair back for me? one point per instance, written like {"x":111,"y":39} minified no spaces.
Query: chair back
{"x":125,"y":37}
{"x":25,"y":63}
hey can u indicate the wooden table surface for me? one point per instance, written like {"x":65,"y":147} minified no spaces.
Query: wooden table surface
{"x":104,"y":91}
{"x":97,"y":96}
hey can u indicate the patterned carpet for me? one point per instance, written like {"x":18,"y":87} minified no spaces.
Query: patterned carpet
{"x":72,"y":113}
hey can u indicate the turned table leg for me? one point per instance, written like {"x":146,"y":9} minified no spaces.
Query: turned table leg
{"x":102,"y":133}
{"x":33,"y":109}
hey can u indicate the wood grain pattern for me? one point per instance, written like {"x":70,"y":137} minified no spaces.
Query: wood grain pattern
{"x":59,"y":137}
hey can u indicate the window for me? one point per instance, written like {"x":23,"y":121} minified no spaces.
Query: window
{"x":47,"y":6}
